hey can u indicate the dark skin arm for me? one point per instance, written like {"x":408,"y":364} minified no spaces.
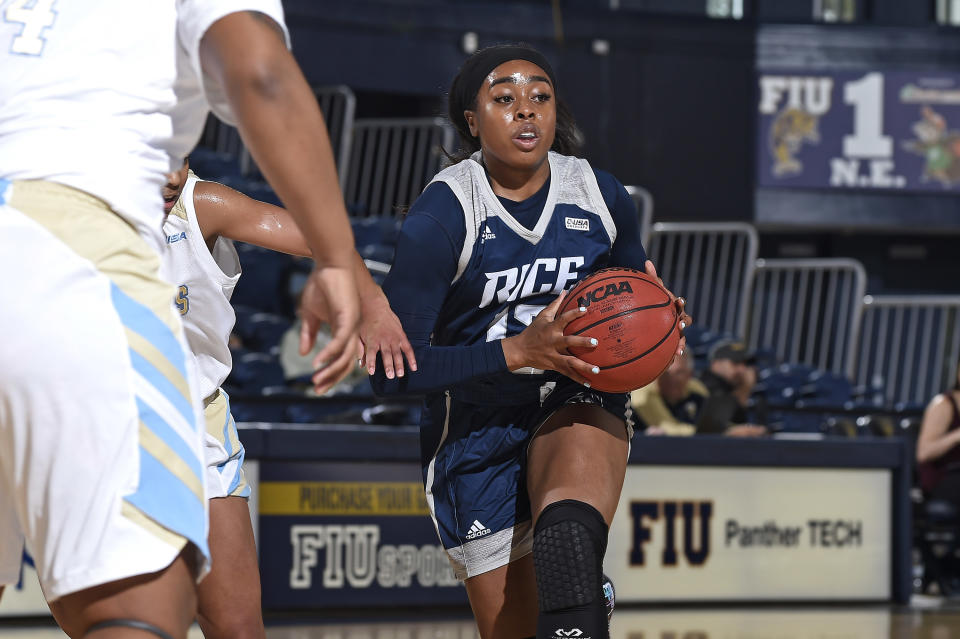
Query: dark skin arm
{"x":281,"y":124}
{"x":222,"y":211}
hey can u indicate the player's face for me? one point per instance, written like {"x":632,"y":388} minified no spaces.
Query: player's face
{"x":516,"y":115}
{"x":174,"y":186}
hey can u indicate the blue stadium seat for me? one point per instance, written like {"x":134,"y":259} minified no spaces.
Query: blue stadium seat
{"x":263,"y":331}
{"x":252,"y":411}
{"x":265,"y":280}
{"x":213,"y":165}
{"x":253,"y":372}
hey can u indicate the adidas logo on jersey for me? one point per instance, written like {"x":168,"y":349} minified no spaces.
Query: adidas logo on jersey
{"x":487,"y":235}
{"x":477,"y":530}
{"x":176,"y":238}
{"x":577,"y":223}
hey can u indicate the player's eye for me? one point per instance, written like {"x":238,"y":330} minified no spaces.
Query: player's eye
{"x":503,"y":99}
{"x":542,"y":97}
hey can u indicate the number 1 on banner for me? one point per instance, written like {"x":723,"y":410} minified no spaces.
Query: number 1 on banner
{"x":867,"y":141}
{"x":34,"y":18}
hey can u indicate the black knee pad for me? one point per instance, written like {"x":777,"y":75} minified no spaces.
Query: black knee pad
{"x":127,"y":623}
{"x":569,"y":541}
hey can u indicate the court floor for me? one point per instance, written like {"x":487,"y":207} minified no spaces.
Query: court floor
{"x":925,"y":618}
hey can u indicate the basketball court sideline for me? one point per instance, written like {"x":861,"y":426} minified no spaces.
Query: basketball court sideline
{"x":926,"y":618}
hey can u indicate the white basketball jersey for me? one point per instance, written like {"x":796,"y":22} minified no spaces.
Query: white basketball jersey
{"x":205,"y":282}
{"x":87,"y":92}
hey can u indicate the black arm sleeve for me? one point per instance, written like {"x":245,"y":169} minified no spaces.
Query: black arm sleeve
{"x":425,"y":264}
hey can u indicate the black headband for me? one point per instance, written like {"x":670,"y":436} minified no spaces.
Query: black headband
{"x":478,"y":66}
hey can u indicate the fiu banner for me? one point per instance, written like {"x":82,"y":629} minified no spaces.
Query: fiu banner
{"x":349,"y":534}
{"x":880,"y":130}
{"x":724,"y":534}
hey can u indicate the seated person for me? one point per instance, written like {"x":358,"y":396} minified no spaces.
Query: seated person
{"x":730,"y":380}
{"x":938,"y":446}
{"x":671,"y":404}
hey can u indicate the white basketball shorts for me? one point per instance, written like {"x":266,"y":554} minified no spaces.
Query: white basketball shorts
{"x":101,"y":450}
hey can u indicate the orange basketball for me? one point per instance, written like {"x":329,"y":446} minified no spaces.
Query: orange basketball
{"x":634,"y":321}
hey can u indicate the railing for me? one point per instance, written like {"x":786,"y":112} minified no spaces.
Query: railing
{"x":807,"y":310}
{"x":337,"y":104}
{"x":390,"y":162}
{"x":644,"y":202}
{"x":909,"y":346}
{"x":711,"y":265}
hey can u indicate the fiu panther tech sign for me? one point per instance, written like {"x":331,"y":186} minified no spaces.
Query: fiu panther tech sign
{"x":873,"y":130}
{"x":702,"y":533}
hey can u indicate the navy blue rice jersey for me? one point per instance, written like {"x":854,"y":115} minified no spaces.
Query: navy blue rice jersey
{"x":472,"y":268}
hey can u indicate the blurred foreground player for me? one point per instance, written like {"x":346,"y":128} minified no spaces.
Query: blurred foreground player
{"x":100,"y":441}
{"x":203,"y":219}
{"x":523,"y":462}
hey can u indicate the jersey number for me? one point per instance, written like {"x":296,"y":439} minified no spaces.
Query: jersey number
{"x":523,"y":313}
{"x":36,"y":17}
{"x":182,"y":300}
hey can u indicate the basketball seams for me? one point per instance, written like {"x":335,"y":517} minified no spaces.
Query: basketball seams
{"x":604,"y":284}
{"x":621,"y":314}
{"x":645,"y":353}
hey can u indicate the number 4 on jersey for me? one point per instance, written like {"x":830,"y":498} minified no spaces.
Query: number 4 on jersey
{"x":36,"y":17}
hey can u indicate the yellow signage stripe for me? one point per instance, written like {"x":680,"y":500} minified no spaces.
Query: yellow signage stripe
{"x":342,"y":498}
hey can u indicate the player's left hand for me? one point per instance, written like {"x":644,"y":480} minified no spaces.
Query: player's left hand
{"x":330,"y":296}
{"x":685,"y":319}
{"x":381,"y":331}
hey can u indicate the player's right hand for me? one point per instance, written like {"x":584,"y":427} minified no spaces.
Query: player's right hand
{"x":543,"y":345}
{"x":330,"y":296}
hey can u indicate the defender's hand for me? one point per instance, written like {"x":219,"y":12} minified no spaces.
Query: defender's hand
{"x":330,"y":296}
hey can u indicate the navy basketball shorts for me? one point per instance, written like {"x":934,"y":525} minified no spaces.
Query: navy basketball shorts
{"x":474,"y":460}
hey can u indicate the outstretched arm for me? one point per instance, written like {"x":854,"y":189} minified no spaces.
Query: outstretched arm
{"x":281,"y":124}
{"x":222,"y":211}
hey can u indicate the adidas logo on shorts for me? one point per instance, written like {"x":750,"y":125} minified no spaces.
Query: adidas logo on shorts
{"x":477,"y":530}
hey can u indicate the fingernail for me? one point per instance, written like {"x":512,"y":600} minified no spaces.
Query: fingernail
{"x":583,"y":309}
{"x":681,"y":351}
{"x":320,"y":367}
{"x":389,"y":374}
{"x":593,"y":341}
{"x":587,"y":384}
{"x":413,"y":368}
{"x":683,"y":325}
{"x":595,"y":370}
{"x":400,"y":373}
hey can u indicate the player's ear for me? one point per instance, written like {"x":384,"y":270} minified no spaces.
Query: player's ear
{"x":471,"y":119}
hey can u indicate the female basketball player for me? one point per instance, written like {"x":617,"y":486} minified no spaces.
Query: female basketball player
{"x":202,"y":219}
{"x":523,"y":462}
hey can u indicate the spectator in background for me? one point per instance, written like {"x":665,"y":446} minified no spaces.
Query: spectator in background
{"x":938,"y":446}
{"x":671,"y":404}
{"x":730,"y":381}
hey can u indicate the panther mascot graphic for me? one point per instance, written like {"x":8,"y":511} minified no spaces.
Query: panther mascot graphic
{"x":791,"y":128}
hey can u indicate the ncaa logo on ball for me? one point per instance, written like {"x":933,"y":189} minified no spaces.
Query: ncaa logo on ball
{"x":602,"y":292}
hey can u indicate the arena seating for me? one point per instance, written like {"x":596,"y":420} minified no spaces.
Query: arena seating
{"x":825,"y":358}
